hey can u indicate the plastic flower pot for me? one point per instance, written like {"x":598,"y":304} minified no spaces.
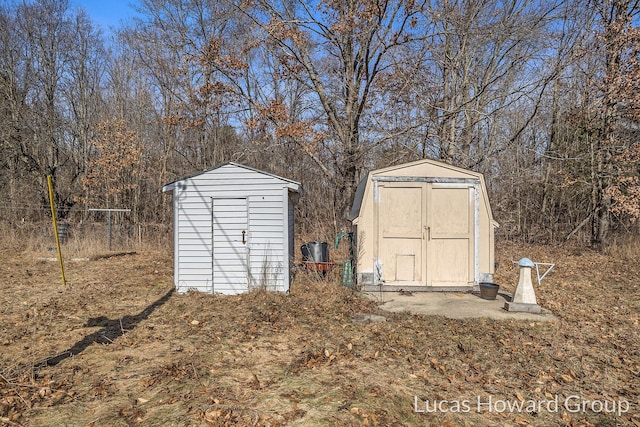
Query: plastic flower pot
{"x":488,"y":291}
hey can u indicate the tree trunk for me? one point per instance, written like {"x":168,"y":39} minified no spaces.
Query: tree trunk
{"x":616,"y":16}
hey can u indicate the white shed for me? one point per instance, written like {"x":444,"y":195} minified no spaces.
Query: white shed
{"x":233,"y":230}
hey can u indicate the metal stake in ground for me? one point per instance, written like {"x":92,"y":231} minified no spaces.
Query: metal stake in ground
{"x":108,"y":211}
{"x":55,"y":228}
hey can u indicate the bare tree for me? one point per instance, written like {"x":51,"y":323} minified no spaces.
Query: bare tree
{"x":339,"y":50}
{"x":45,"y":69}
{"x":484,"y":60}
{"x":195,"y":97}
{"x":616,"y":22}
{"x":540,"y":96}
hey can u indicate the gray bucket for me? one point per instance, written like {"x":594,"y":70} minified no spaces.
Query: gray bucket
{"x":315,"y":252}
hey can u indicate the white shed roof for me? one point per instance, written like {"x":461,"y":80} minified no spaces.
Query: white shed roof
{"x":292,"y":185}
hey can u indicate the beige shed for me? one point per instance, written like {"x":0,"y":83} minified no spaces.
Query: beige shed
{"x":423,"y":226}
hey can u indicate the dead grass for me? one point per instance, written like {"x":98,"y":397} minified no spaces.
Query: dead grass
{"x":117,"y":348}
{"x":84,"y":241}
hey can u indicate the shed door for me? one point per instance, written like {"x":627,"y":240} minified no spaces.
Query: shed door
{"x":401,"y":232}
{"x":230,"y":249}
{"x":451,"y":235}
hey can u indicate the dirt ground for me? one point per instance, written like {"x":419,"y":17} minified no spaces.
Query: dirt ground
{"x":118,"y":348}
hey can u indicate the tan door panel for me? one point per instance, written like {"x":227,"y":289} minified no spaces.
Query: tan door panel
{"x":449,"y":262}
{"x":401,"y":233}
{"x":451,"y":212}
{"x":451,"y":222}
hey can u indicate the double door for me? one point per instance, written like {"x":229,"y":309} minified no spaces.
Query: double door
{"x":426,"y":233}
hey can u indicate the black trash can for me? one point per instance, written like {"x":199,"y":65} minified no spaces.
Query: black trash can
{"x":315,"y":252}
{"x":488,"y":291}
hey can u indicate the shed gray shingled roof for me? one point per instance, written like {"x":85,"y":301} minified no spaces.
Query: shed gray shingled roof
{"x":357,"y":200}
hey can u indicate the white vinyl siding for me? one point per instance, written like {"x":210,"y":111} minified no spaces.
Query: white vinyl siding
{"x":193,"y":246}
{"x":290,"y":254}
{"x":290,"y":214}
{"x":267,"y":237}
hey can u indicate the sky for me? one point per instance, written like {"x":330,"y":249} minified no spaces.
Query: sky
{"x":108,"y":14}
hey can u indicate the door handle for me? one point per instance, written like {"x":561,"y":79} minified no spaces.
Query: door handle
{"x":244,"y":240}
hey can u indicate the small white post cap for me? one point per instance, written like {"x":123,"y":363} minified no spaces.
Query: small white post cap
{"x":526,"y":262}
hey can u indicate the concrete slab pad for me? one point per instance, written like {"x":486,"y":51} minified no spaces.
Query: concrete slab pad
{"x":454,"y":305}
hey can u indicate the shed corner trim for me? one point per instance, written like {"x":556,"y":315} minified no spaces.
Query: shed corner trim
{"x":169,"y":187}
{"x":294,"y":186}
